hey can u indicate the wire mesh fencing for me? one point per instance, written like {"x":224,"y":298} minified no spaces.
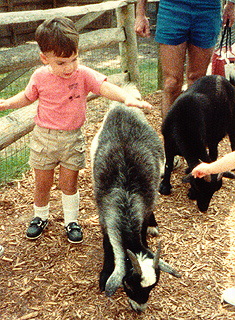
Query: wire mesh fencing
{"x":14,"y":160}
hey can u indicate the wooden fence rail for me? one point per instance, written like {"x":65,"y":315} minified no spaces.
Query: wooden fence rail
{"x":8,"y":18}
{"x":27,"y":55}
{"x":22,"y":57}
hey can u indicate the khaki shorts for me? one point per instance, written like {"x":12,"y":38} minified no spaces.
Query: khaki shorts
{"x":49,"y":148}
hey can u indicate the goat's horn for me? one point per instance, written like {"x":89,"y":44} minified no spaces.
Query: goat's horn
{"x":164,"y":266}
{"x":157,"y":256}
{"x":134,"y":261}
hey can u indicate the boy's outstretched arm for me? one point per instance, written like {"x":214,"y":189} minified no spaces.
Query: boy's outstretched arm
{"x":18,"y":101}
{"x":113,"y":92}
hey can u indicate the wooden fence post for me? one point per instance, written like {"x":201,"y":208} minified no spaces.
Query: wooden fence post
{"x":128,"y":48}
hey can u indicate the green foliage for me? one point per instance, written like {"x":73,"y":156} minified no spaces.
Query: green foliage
{"x":12,"y":166}
{"x":148,"y":76}
{"x":14,"y":88}
{"x":4,"y":113}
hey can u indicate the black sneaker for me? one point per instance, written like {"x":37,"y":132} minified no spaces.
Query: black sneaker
{"x":74,"y":232}
{"x":36,"y":227}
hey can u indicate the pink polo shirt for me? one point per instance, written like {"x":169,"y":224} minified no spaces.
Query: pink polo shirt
{"x":62,"y":102}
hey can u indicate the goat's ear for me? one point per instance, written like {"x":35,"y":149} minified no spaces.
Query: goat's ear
{"x":228,"y":174}
{"x":186,"y":179}
{"x":207,"y":178}
{"x":134,"y":262}
{"x":164,"y":266}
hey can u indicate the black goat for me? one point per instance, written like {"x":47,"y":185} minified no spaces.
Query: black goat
{"x":197,"y":121}
{"x":127,"y":155}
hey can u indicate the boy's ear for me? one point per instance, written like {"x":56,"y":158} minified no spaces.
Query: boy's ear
{"x":43,"y":58}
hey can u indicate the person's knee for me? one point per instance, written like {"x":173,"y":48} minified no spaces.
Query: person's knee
{"x":173,"y":85}
{"x":194,"y":76}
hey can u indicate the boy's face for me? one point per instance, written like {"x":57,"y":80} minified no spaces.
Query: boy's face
{"x":60,"y":66}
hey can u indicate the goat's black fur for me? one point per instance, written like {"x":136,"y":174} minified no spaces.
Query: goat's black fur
{"x":126,"y":174}
{"x":197,"y":121}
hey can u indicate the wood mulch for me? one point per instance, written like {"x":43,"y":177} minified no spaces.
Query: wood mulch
{"x":52,"y":279}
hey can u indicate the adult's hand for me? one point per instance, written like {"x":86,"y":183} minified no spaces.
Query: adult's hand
{"x":229,"y":13}
{"x":142,"y":27}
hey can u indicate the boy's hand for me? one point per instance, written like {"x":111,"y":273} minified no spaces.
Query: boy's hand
{"x":3,"y":105}
{"x":113,"y":92}
{"x":132,"y":101}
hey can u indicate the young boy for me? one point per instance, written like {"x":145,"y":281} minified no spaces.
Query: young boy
{"x":223,"y":164}
{"x":61,"y":87}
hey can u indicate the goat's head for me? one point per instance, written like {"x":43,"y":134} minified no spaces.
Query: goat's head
{"x":202,"y":189}
{"x":143,"y":276}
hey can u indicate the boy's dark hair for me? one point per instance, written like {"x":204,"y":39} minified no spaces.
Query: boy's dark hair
{"x":58,"y":35}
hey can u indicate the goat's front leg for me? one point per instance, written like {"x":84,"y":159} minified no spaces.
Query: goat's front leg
{"x":115,"y":279}
{"x":231,"y":134}
{"x":108,"y":265}
{"x":165,"y":186}
{"x":213,"y":151}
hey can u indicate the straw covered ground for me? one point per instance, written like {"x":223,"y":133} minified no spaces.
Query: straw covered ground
{"x":51,"y":279}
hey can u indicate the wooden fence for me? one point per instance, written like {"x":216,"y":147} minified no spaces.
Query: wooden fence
{"x":17,"y":33}
{"x":23,"y":57}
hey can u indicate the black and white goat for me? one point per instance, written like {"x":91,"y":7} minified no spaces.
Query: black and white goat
{"x":126,"y":158}
{"x":197,"y":121}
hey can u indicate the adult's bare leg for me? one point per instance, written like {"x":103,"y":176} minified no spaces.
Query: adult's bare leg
{"x":198,"y":61}
{"x":172,"y":60}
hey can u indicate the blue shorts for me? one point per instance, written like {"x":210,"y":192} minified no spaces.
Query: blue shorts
{"x":193,"y":21}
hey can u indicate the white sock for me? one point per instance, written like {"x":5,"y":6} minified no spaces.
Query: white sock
{"x":70,"y":205}
{"x":41,"y":212}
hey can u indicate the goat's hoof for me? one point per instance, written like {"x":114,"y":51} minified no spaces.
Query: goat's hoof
{"x":153,"y":231}
{"x":102,"y":286}
{"x":103,"y":279}
{"x":165,"y":190}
